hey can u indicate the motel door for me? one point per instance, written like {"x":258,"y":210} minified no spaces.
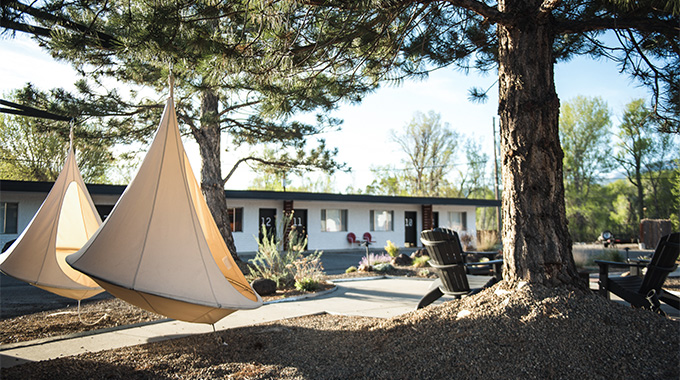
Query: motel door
{"x":411,"y":229}
{"x":299,"y":222}
{"x":268,"y":220}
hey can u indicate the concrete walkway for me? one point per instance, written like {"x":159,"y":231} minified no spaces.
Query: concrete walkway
{"x":382,"y":298}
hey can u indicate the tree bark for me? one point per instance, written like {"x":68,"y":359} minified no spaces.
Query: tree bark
{"x":536,"y":242}
{"x":208,"y":138}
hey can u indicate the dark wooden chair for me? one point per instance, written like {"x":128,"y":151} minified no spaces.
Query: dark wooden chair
{"x":448,"y":258}
{"x":645,"y":292}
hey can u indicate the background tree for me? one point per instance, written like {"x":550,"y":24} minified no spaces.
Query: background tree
{"x":473,"y":182}
{"x":236,"y":80}
{"x":585,"y":135}
{"x":430,"y":147}
{"x":35,"y":149}
{"x":659,"y":176}
{"x":389,"y":180}
{"x":636,"y":147}
{"x":675,"y":212}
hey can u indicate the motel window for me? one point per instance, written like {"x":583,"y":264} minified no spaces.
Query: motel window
{"x":381,"y":220}
{"x":236,"y":219}
{"x":333,"y":220}
{"x":458,"y":221}
{"x":9,"y":215}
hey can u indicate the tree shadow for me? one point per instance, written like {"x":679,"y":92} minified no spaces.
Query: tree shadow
{"x":564,"y":336}
{"x":78,"y":367}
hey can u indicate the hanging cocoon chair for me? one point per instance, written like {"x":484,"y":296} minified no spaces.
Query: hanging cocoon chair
{"x":63,"y":224}
{"x":160,"y":248}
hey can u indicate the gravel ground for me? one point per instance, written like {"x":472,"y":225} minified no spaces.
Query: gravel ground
{"x":507,"y":331}
{"x":95,"y":315}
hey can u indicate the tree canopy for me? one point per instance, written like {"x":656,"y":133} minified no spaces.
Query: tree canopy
{"x":35,"y":148}
{"x":522,"y":39}
{"x":236,"y":81}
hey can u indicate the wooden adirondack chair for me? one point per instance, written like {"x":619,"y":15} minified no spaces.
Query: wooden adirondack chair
{"x":447,"y":257}
{"x":645,"y":292}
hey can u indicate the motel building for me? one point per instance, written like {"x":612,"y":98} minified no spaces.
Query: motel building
{"x":332,"y":221}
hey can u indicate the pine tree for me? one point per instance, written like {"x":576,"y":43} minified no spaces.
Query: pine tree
{"x":235,"y":81}
{"x":522,"y":40}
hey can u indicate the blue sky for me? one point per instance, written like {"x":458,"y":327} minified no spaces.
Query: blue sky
{"x":364,"y":138}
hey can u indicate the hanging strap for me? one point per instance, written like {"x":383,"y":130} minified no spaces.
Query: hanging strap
{"x":171,"y":82}
{"x":70,"y":135}
{"x":93,"y":323}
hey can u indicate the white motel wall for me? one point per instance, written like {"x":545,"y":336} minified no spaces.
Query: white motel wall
{"x":327,"y":218}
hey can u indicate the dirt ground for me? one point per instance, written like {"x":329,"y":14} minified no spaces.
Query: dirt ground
{"x":508,"y":331}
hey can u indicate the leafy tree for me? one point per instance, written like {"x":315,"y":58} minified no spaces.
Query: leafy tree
{"x":622,"y":219}
{"x":388,"y":181}
{"x":473,"y":181}
{"x":236,"y":80}
{"x":675,"y":213}
{"x":486,"y":216}
{"x":641,"y":149}
{"x":585,"y":136}
{"x":34,"y":149}
{"x":522,"y":39}
{"x":659,"y":177}
{"x":430,"y":147}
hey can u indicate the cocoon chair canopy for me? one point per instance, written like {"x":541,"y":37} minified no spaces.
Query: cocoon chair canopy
{"x":63,"y":224}
{"x":160,"y":248}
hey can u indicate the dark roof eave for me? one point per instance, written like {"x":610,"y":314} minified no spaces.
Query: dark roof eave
{"x":361,"y":198}
{"x":98,"y":189}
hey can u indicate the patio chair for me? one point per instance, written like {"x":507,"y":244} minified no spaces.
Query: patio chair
{"x":645,"y":292}
{"x":447,"y":257}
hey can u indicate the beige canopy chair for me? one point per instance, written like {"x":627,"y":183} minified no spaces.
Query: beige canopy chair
{"x":63,"y":224}
{"x":160,"y":248}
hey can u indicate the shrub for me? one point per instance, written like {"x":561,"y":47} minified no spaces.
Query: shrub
{"x":308,"y":268}
{"x":372,"y":259}
{"x":392,"y":249}
{"x":307,"y":284}
{"x":487,"y":241}
{"x":466,"y":241}
{"x":274,"y":261}
{"x":351,"y":269}
{"x":383,"y":267}
{"x":420,"y":261}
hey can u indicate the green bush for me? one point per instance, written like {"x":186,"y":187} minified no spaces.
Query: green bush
{"x":281,"y":264}
{"x":382,"y":267}
{"x":308,"y":268}
{"x":307,"y":284}
{"x":421,"y":261}
{"x":351,"y":269}
{"x":392,"y":249}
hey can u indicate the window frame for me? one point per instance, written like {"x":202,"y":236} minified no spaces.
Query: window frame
{"x":375,"y":214}
{"x":235,"y":218}
{"x":4,"y":214}
{"x":463,"y":221}
{"x":343,"y":215}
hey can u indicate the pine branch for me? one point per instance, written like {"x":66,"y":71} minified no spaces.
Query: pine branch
{"x":643,"y":24}
{"x":106,"y":41}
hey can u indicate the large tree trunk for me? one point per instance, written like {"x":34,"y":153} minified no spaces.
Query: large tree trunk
{"x":208,"y":138}
{"x":536,"y":242}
